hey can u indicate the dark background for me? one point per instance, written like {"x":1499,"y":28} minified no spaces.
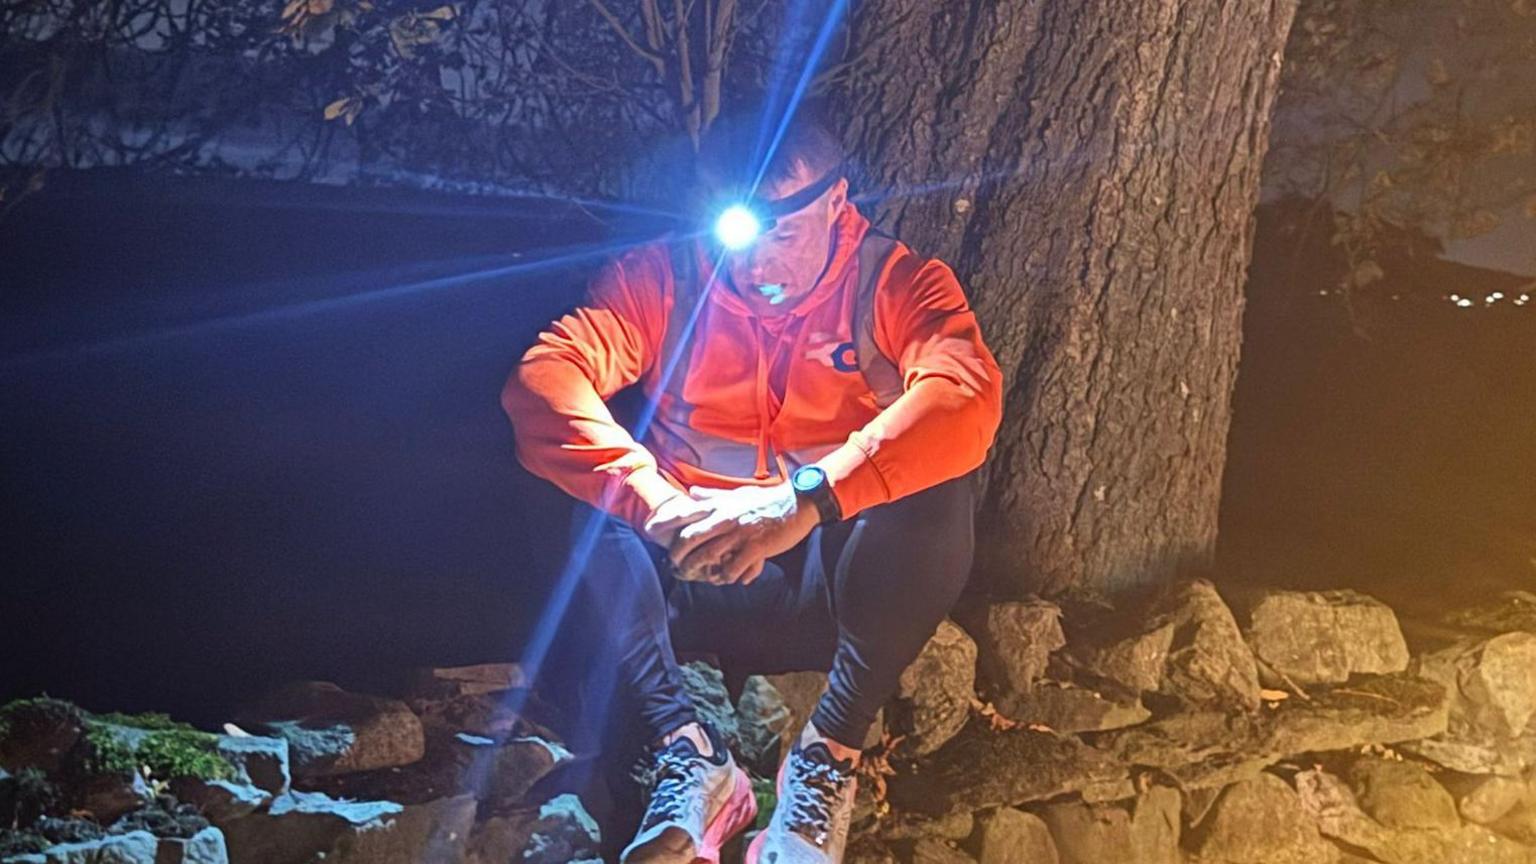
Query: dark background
{"x":192,"y":511}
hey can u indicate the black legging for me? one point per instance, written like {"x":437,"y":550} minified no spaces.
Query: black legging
{"x":895,"y":572}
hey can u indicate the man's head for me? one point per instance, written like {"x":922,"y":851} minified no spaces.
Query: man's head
{"x":783,"y":263}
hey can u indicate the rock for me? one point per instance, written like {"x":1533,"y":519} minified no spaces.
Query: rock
{"x":1014,"y":644}
{"x":1010,"y":836}
{"x":1144,"y":830}
{"x":309,"y":826}
{"x":706,"y":687}
{"x":498,"y":714}
{"x":930,"y":850}
{"x":204,"y":847}
{"x":1507,"y":758}
{"x":1213,"y":748}
{"x":1197,"y":803}
{"x":1336,"y":813}
{"x":800,"y":691}
{"x":867,"y":850}
{"x":38,"y":733}
{"x":1260,"y":821}
{"x":1134,"y":661}
{"x":956,"y":825}
{"x":558,"y":832}
{"x":981,"y":769}
{"x":478,"y":680}
{"x":135,"y":847}
{"x":1401,"y":794}
{"x":765,"y":725}
{"x":1067,"y":708}
{"x":500,"y":774}
{"x":936,"y":690}
{"x":1323,"y":637}
{"x":1519,"y":823}
{"x":1512,"y":611}
{"x":261,"y":773}
{"x":1187,"y":645}
{"x":107,"y":797}
{"x":1208,"y":661}
{"x":331,"y":731}
{"x":1493,"y":684}
{"x":515,"y":766}
{"x":1483,"y":799}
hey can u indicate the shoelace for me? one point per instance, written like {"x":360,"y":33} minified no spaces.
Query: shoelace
{"x":673,"y":775}
{"x":813,"y":790}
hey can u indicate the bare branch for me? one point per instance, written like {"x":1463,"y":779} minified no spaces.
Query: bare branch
{"x":623,"y":33}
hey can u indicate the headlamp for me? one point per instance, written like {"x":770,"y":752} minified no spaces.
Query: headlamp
{"x":740,"y":223}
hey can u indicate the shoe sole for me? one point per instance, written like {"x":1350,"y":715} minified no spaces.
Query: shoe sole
{"x":740,"y":811}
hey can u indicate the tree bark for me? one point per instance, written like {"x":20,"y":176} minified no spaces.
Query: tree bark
{"x":1098,"y":163}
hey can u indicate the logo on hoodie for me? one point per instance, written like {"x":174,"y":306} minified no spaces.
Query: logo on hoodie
{"x":829,"y":350}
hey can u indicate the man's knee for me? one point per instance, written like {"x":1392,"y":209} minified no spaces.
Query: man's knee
{"x":935,"y":525}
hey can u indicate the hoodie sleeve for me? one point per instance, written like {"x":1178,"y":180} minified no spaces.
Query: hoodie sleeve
{"x":943,"y":424}
{"x":556,"y":396}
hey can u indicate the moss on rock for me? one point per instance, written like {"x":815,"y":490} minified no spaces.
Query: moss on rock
{"x":184,"y":753}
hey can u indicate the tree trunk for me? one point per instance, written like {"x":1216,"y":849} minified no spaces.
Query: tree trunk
{"x":1103,"y":165}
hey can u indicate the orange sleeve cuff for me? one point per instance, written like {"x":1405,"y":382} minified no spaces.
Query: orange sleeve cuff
{"x":648,"y":489}
{"x":856,"y":482}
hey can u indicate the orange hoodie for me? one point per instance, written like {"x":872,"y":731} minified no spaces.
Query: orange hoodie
{"x":771,"y":382}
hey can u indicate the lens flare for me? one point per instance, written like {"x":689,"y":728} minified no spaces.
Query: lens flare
{"x":737,"y":227}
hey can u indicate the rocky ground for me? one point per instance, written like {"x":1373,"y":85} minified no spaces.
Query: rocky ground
{"x":1266,"y":728}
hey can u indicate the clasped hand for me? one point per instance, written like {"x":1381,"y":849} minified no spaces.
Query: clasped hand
{"x":723,"y":536}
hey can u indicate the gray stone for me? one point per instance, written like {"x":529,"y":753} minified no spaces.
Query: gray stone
{"x":558,"y":832}
{"x":1323,"y":637}
{"x":1068,"y":708}
{"x":1135,"y":661}
{"x":981,"y":769}
{"x":800,"y":691}
{"x":106,"y":797}
{"x":1009,"y":836}
{"x":867,"y":850}
{"x":135,"y":847}
{"x":261,"y":773}
{"x":765,"y":725}
{"x":1484,"y":799}
{"x":1509,"y":757}
{"x":706,"y":687}
{"x":1401,"y":794}
{"x":477,"y":680}
{"x":1493,"y":683}
{"x":930,"y":850}
{"x":1336,"y":813}
{"x":1211,"y":748}
{"x":935,"y":692}
{"x":308,"y":826}
{"x":956,"y":825}
{"x":1143,"y":830}
{"x":1208,"y":662}
{"x":1260,"y":821}
{"x":1510,"y":612}
{"x":331,"y":731}
{"x":204,"y":847}
{"x":1519,"y":823}
{"x":1015,"y":643}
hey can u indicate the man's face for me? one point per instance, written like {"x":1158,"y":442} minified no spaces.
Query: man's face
{"x":785,"y":262}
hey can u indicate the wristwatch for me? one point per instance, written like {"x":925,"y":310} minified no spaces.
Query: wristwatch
{"x":810,"y":483}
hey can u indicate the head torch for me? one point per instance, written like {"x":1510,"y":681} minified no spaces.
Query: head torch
{"x":739,"y":224}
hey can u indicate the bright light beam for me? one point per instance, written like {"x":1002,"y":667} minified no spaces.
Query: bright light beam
{"x":311,"y":307}
{"x":807,"y":74}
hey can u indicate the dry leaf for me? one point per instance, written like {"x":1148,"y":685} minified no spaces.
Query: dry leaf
{"x":1274,"y":695}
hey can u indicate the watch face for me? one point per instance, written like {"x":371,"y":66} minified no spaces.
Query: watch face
{"x":808,"y":478}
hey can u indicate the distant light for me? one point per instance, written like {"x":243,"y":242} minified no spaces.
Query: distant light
{"x":1497,"y":295}
{"x":1323,"y":292}
{"x":737,"y":227}
{"x":1455,"y":297}
{"x":1463,"y":302}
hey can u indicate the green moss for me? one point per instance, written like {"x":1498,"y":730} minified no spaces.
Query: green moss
{"x":37,"y":712}
{"x":108,"y":754}
{"x":183,"y":753}
{"x":150,"y":720}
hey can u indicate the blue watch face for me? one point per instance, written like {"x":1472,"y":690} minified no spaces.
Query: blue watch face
{"x":808,"y":478}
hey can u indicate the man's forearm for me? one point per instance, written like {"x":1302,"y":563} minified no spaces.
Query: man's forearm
{"x":567,"y":435}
